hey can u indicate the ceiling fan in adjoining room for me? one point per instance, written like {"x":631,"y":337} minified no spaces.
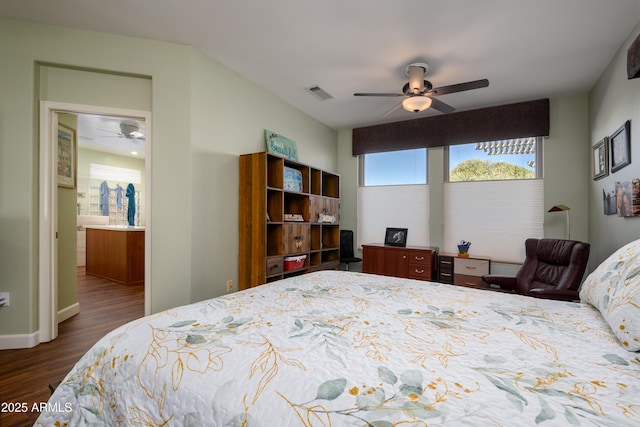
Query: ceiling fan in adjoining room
{"x":129,"y":129}
{"x":419,"y":94}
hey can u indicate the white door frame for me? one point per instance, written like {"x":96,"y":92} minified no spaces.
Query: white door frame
{"x":48,"y":199}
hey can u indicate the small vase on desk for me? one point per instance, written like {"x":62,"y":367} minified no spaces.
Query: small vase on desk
{"x":463,"y":251}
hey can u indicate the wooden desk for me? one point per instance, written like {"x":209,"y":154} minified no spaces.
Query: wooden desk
{"x":116,"y":253}
{"x":414,"y":262}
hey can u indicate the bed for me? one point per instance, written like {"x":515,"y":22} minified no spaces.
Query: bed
{"x":336,"y":348}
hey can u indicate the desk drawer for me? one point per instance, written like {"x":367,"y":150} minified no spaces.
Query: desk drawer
{"x":445,"y":267}
{"x":471,"y":267}
{"x":274,"y":265}
{"x":419,"y":272}
{"x":469,"y":281}
{"x":420,"y":258}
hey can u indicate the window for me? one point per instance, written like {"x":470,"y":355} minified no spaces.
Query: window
{"x":393,"y":193}
{"x":114,"y":173}
{"x":394,"y":168}
{"x":496,"y":216}
{"x":495,"y":160}
{"x":500,"y":212}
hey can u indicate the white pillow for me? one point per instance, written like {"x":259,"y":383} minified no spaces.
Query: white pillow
{"x":614,"y":289}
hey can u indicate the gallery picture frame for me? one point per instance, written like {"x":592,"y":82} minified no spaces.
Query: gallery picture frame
{"x":396,"y":237}
{"x":67,"y":156}
{"x":600,"y":159}
{"x":620,"y":147}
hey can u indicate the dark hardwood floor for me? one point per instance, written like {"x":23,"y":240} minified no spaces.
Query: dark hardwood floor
{"x":25,"y":374}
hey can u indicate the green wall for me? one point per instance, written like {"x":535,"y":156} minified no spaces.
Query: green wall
{"x":199,"y":127}
{"x":613,"y":100}
{"x":224,"y":125}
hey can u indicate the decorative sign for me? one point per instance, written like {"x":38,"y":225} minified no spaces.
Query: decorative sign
{"x":280,"y":145}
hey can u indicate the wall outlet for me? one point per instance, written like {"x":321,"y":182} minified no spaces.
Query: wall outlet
{"x":4,"y":299}
{"x":229,"y":286}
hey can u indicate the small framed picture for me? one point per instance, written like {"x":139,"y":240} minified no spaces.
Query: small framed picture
{"x":624,"y":203}
{"x":396,"y":237}
{"x":66,"y":156}
{"x":620,"y":147}
{"x":600,"y":159}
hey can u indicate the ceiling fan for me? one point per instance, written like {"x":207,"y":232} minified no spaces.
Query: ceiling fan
{"x":419,"y":93}
{"x":129,"y":129}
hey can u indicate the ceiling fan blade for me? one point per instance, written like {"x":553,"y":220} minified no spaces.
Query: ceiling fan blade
{"x":110,"y":131}
{"x":378,"y":94}
{"x":443,"y":107}
{"x":459,"y":87}
{"x":393,"y":109}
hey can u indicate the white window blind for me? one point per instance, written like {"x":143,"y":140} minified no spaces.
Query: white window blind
{"x":496,"y":216}
{"x":402,"y":206}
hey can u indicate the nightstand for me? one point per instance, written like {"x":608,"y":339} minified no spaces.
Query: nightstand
{"x":463,"y":271}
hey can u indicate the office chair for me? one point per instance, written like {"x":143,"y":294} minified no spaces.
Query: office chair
{"x":346,"y":248}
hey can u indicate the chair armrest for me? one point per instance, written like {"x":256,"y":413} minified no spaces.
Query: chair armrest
{"x":505,"y":282}
{"x":559,"y":294}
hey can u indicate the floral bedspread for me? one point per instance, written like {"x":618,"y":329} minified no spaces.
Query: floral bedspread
{"x":348,"y":349}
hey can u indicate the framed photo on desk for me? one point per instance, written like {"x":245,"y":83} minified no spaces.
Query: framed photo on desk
{"x":396,"y":237}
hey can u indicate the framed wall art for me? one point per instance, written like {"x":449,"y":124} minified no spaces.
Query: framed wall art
{"x":600,"y":159}
{"x":609,"y":200}
{"x":67,"y":156}
{"x":620,"y":147}
{"x":624,"y":201}
{"x":396,"y":237}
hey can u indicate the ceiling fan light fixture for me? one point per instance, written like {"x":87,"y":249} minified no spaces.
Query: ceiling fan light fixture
{"x":416,"y":73}
{"x":415,"y":104}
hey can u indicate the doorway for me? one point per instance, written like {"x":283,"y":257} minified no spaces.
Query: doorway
{"x":48,"y":218}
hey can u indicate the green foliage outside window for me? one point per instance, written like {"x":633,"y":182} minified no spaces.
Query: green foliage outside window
{"x":484,"y":170}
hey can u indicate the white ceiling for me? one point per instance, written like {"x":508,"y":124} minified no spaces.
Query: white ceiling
{"x":103,"y":133}
{"x":528,"y":49}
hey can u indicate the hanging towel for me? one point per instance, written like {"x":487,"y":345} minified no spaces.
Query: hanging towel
{"x":119,"y":191}
{"x":131,"y":207}
{"x":104,"y":198}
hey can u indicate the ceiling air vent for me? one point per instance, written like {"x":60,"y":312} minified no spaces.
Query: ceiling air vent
{"x":319,"y":93}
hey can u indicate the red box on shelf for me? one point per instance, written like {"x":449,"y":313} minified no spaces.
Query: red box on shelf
{"x":294,"y":262}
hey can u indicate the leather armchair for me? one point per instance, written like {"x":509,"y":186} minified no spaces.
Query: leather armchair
{"x":552,"y":269}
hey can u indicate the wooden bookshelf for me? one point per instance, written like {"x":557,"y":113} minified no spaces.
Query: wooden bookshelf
{"x":280,"y":217}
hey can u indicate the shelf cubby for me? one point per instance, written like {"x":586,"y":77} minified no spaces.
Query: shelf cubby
{"x":275,"y":205}
{"x":316,"y":239}
{"x":275,"y":172}
{"x":330,"y":236}
{"x":274,"y":239}
{"x":297,"y":204}
{"x":316,"y":182}
{"x":330,"y":185}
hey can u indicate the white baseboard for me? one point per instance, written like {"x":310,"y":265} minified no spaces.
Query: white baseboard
{"x":10,"y":342}
{"x":68,"y":312}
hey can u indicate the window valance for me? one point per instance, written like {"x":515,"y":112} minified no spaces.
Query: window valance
{"x":486,"y":124}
